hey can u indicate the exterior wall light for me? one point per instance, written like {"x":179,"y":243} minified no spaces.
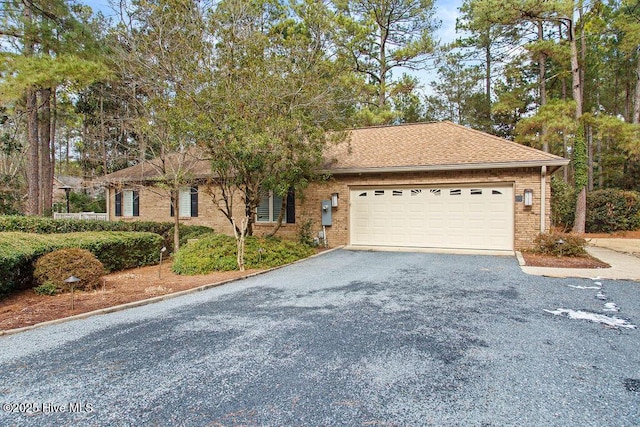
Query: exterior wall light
{"x":528,"y":197}
{"x":334,"y":200}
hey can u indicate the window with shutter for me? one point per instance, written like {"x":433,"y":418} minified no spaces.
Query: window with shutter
{"x":263,"y":208}
{"x":127,"y":203}
{"x":271,"y":205}
{"x":118,"y":203}
{"x":184,"y":200}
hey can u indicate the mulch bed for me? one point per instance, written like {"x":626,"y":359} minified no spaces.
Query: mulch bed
{"x":540,"y":260}
{"x":25,"y":308}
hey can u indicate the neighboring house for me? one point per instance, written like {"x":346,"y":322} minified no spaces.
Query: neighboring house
{"x":434,"y":185}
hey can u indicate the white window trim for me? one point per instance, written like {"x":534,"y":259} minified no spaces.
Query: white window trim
{"x":272,"y":219}
{"x":127,"y":203}
{"x":184,"y":202}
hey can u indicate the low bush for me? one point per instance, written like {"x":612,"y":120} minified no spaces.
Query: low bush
{"x":116,"y":250}
{"x":43,"y":225}
{"x":46,"y":289}
{"x":191,"y":232}
{"x":560,"y":244}
{"x":612,"y":210}
{"x":217,"y":252}
{"x":55,"y":267}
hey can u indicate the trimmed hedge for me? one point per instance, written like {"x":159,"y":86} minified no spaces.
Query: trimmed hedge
{"x":612,"y":210}
{"x":116,"y":250}
{"x":43,"y":225}
{"x":218,"y":253}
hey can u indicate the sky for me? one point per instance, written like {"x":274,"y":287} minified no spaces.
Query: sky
{"x":446,"y":12}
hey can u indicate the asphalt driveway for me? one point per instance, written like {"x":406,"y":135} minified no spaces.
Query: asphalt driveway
{"x":347,"y":338}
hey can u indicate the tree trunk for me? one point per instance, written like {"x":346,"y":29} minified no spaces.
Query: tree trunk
{"x":636,"y":104}
{"x":580,"y":154}
{"x":581,"y":211}
{"x":382,"y":96}
{"x":33,"y":162}
{"x":590,"y":158}
{"x":102,"y":139}
{"x":54,"y":129}
{"x":240,"y":233}
{"x":175,"y":200}
{"x":542,"y":68}
{"x":564,"y":81}
{"x":487,"y":73}
{"x":46,"y":167}
{"x":33,"y":154}
{"x":542,"y":83}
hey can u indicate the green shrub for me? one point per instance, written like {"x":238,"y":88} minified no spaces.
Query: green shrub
{"x":305,"y":233}
{"x":55,"y":267}
{"x":46,"y":289}
{"x":612,"y":210}
{"x":116,"y":251}
{"x":563,"y":203}
{"x":191,"y":232}
{"x":560,"y":244}
{"x":217,"y":252}
{"x":42,"y":225}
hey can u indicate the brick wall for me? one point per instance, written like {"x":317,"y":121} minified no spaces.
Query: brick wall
{"x":155,"y":206}
{"x":527,"y":220}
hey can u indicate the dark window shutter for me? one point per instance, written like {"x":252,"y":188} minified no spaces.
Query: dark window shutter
{"x":194,"y":201}
{"x":136,"y":203}
{"x":291,"y":206}
{"x":173,"y":211}
{"x":118,"y":203}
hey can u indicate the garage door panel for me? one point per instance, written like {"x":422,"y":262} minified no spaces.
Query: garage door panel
{"x":478,"y":217}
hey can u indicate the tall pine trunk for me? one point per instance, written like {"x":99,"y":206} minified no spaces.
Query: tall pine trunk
{"x":33,"y":154}
{"x":636,"y":104}
{"x":46,"y":166}
{"x":33,"y":162}
{"x":580,"y":146}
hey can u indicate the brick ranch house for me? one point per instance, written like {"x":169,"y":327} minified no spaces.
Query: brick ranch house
{"x":426,"y":185}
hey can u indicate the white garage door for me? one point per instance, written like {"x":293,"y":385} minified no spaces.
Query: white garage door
{"x":462,"y":217}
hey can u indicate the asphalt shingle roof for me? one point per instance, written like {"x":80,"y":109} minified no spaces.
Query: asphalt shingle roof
{"x":424,"y":145}
{"x":194,"y":162}
{"x":419,"y":146}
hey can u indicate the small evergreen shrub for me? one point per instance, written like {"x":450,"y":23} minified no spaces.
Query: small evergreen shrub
{"x":191,"y":232}
{"x":46,"y":289}
{"x":612,"y":210}
{"x":560,"y":244}
{"x":305,"y":233}
{"x":217,"y":252}
{"x":55,"y":267}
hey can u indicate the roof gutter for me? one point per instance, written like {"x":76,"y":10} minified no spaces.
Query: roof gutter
{"x":550,"y":164}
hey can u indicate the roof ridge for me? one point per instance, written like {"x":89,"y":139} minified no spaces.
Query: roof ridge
{"x":394,"y":125}
{"x":517,"y":144}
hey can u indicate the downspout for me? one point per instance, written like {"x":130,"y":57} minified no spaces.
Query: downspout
{"x":543,"y":199}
